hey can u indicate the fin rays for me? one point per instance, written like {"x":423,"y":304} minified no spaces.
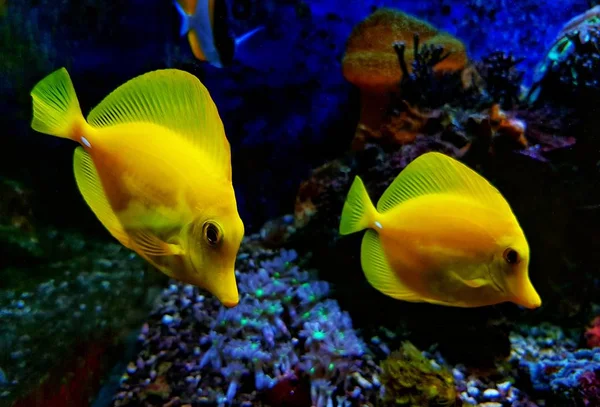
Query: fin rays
{"x":378,"y":271}
{"x":433,"y":173}
{"x":175,"y":100}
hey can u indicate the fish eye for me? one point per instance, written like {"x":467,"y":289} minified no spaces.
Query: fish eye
{"x":212,"y":233}
{"x":511,"y":256}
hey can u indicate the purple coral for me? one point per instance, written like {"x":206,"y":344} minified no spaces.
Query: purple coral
{"x":203,"y":352}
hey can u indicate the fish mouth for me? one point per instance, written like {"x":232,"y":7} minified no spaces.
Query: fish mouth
{"x":222,"y":284}
{"x":524,"y":292}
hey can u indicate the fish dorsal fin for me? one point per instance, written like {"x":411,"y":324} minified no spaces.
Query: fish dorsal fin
{"x":379,"y":272}
{"x":90,"y":186}
{"x":173,"y":99}
{"x":436,"y":173}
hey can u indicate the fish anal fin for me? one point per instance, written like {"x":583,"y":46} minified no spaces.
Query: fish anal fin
{"x":437,"y":173}
{"x":90,"y":186}
{"x":379,"y":273}
{"x":152,"y":245}
{"x":173,"y":99}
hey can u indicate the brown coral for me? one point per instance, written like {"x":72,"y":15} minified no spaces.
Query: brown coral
{"x":371,"y":63}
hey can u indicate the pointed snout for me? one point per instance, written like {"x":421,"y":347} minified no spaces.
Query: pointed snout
{"x":222,"y":285}
{"x":524,"y":293}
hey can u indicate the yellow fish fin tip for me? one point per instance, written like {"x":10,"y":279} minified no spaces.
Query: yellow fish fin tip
{"x":56,"y":109}
{"x":358,"y":211}
{"x":176,"y":100}
{"x":378,"y":271}
{"x":437,"y":173}
{"x":152,"y":245}
{"x":90,"y":186}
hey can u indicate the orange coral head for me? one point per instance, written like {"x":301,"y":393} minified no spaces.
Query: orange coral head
{"x":371,"y":63}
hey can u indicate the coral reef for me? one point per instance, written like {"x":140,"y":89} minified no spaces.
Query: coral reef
{"x":284,"y":331}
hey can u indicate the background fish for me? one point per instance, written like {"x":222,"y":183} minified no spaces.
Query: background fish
{"x":441,"y":234}
{"x":154,"y":166}
{"x":206,"y":24}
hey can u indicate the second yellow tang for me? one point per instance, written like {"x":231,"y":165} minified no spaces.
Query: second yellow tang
{"x":441,"y":234}
{"x":154,"y":166}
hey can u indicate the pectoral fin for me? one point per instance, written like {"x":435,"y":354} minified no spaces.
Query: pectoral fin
{"x":151,"y":245}
{"x":476,"y":282}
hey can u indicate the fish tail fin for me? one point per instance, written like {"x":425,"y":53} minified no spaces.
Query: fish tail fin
{"x":358,"y":212}
{"x":244,"y":37}
{"x":56,"y":109}
{"x":185,"y":18}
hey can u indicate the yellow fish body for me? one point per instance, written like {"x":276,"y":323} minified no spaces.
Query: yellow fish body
{"x":441,"y":234}
{"x":155,"y":167}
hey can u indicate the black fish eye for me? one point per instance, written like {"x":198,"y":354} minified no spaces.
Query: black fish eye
{"x":511,"y":256}
{"x":212,"y":233}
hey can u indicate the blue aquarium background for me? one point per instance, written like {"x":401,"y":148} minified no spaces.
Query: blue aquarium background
{"x":86,"y":322}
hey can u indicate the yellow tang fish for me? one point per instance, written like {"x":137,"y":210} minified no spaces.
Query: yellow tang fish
{"x":155,"y":167}
{"x":441,"y":234}
{"x":206,"y":23}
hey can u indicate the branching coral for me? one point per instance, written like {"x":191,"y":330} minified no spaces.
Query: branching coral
{"x":502,"y":78}
{"x":284,"y":324}
{"x":427,"y":83}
